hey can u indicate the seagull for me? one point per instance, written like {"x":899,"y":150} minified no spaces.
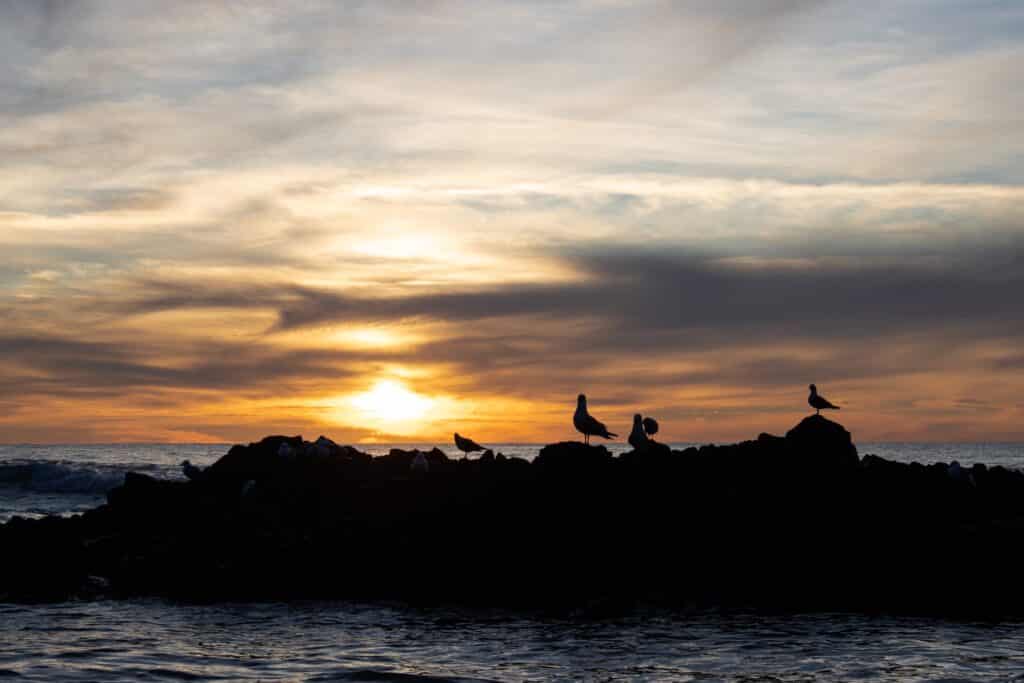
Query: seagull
{"x":465,"y":445}
{"x":420,"y":463}
{"x":638,"y":437}
{"x":819,"y":403}
{"x":650,"y":426}
{"x":587,"y":425}
{"x":189,"y":470}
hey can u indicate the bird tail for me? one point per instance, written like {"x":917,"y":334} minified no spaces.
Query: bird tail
{"x":610,"y":435}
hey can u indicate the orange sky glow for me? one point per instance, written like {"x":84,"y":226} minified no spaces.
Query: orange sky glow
{"x":368,"y":222}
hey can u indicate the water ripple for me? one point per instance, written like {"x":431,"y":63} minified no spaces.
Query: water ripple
{"x":154,"y":640}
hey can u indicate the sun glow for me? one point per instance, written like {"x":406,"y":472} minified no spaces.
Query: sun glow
{"x":390,"y":406}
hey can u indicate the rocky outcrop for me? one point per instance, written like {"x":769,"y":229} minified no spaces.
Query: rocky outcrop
{"x":794,"y":522}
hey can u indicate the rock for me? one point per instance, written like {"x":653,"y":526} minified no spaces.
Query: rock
{"x":795,"y":522}
{"x":255,"y":461}
{"x":143,"y":492}
{"x":323,"y":442}
{"x":573,"y":457}
{"x":822,"y":441}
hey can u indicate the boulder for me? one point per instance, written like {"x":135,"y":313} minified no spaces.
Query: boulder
{"x":572,"y":458}
{"x":255,"y":461}
{"x":817,"y":440}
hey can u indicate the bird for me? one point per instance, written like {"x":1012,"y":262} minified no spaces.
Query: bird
{"x":650,"y":426}
{"x":189,"y":470}
{"x":465,"y":445}
{"x":638,"y":437}
{"x":587,"y":425}
{"x":420,"y":463}
{"x":819,"y":403}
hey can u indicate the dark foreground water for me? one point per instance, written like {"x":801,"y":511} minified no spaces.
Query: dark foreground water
{"x":156,"y":641}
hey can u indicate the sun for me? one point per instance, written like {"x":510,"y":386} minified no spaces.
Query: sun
{"x":390,"y":404}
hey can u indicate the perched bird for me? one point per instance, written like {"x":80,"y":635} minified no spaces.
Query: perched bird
{"x":819,"y":403}
{"x":638,"y":437}
{"x":420,"y":463}
{"x":465,"y":445}
{"x":189,"y":470}
{"x":650,"y":426}
{"x":587,"y":425}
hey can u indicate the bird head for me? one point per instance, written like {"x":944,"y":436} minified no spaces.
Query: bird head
{"x":457,"y":435}
{"x":813,"y":389}
{"x":581,"y":400}
{"x":636,"y":419}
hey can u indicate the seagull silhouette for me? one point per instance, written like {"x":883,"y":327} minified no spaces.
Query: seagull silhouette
{"x":819,"y":403}
{"x":465,"y":445}
{"x":420,"y":463}
{"x":650,"y":426}
{"x":587,"y":425}
{"x":638,"y":437}
{"x":190,"y":470}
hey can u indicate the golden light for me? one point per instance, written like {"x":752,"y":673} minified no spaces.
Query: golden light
{"x":405,"y":246}
{"x":390,"y":406}
{"x":368,"y":337}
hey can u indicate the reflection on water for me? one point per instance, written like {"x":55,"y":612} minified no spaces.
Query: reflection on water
{"x":154,"y":640}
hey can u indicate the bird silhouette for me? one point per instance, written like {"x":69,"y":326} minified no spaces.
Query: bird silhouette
{"x":819,"y":403}
{"x":420,"y":464}
{"x":465,"y":445}
{"x":189,"y":470}
{"x":638,"y":437}
{"x":586,"y":424}
{"x":650,"y":426}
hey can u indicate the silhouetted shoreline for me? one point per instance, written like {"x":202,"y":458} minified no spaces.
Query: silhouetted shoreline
{"x":795,"y":522}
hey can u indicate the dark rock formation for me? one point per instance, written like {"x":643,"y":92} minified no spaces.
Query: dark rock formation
{"x":794,"y":522}
{"x":821,"y":442}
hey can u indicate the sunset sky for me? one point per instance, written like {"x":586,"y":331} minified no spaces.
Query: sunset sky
{"x":394,"y":220}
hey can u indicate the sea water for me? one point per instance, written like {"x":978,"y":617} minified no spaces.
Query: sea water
{"x":156,"y":640}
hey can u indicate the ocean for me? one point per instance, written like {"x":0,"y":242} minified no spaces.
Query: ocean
{"x":157,"y":640}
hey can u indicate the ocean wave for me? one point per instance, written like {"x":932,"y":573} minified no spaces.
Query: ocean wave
{"x":375,"y":676}
{"x":53,"y":477}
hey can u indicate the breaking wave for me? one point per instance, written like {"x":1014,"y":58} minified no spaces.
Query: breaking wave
{"x":54,"y":477}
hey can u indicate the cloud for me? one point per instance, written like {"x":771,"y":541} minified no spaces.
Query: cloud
{"x":704,"y":203}
{"x":56,"y":365}
{"x":698,"y":293}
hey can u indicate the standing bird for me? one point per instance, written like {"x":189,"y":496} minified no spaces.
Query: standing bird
{"x":420,"y":464}
{"x":819,"y":403}
{"x":465,"y":445}
{"x":190,"y":471}
{"x":638,"y":437}
{"x":650,"y":426}
{"x":587,"y":425}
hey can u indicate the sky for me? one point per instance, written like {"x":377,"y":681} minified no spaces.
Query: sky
{"x":388,"y":221}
